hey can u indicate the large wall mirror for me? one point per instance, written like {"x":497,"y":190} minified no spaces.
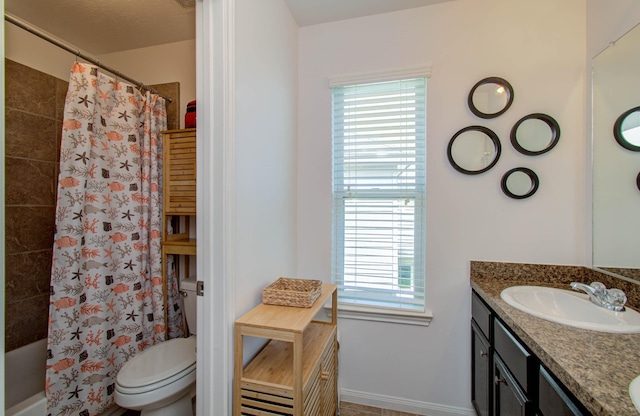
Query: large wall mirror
{"x":616,"y":197}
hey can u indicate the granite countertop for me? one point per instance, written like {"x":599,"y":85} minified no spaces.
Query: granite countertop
{"x":597,"y":367}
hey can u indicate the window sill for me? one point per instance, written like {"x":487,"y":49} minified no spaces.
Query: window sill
{"x":381,"y":315}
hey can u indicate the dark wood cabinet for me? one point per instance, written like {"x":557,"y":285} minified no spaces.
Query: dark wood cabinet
{"x":482,"y":353}
{"x":481,"y":357}
{"x":509,"y":399}
{"x":507,"y":379}
{"x":520,"y":362}
{"x":554,"y":400}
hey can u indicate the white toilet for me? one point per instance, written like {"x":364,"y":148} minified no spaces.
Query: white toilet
{"x":162,"y":379}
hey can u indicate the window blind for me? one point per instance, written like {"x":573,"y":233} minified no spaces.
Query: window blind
{"x":379,"y":175}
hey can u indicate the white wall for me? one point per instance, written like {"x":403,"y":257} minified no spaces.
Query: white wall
{"x":27,"y":49}
{"x":539,"y":47}
{"x":607,"y":21}
{"x":265,"y":147}
{"x":160,"y":64}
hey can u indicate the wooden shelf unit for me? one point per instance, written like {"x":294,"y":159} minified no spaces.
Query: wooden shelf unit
{"x":185,"y":247}
{"x":179,"y":172}
{"x":296,"y":372}
{"x":178,"y":197}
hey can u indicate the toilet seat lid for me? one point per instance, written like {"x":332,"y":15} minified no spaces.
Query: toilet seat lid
{"x":158,"y":362}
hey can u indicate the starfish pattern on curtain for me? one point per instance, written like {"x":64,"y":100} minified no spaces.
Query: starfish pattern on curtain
{"x":106,"y":279}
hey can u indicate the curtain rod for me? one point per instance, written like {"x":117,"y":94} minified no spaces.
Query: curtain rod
{"x":79,"y":54}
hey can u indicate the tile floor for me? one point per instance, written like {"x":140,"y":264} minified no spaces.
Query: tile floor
{"x":351,"y":409}
{"x":346,"y":409}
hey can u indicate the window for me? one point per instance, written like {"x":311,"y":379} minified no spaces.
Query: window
{"x":379,"y":175}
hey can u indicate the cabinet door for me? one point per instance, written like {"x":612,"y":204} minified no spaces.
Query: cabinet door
{"x":481,"y":386}
{"x":179,"y":172}
{"x":509,"y":400}
{"x":329,"y":381}
{"x":554,"y":401}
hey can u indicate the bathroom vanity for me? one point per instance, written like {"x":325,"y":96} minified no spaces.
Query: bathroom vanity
{"x":507,"y":378}
{"x":523,"y":365}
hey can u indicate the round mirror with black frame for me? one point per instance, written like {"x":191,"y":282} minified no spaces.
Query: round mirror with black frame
{"x":535,"y":134}
{"x":519,"y":183}
{"x":474,"y":150}
{"x":626,"y":129}
{"x":490,"y":97}
{"x":638,"y":181}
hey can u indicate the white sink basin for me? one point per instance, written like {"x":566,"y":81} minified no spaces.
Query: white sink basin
{"x":570,"y":308}
{"x":634,"y":392}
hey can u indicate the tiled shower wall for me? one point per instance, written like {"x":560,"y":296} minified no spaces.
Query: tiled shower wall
{"x":33,"y":117}
{"x":33,"y":114}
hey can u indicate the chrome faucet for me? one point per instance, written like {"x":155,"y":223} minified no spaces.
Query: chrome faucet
{"x":612,"y":299}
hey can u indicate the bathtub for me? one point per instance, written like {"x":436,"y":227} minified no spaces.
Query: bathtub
{"x":24,"y":380}
{"x":25,"y":371}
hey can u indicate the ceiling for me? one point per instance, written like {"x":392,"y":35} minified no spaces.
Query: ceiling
{"x":100,"y":27}
{"x":312,"y":12}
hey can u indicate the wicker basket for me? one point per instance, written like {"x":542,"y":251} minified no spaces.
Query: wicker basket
{"x":300,"y":293}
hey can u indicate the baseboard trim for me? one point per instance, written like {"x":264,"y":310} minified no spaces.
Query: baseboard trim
{"x":402,"y":405}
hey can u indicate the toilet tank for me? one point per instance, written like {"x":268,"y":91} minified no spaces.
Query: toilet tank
{"x":189,"y":299}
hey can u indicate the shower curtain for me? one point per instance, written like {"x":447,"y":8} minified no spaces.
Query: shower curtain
{"x":106,"y":279}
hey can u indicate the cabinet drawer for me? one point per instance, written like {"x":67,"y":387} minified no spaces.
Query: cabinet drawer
{"x":515,"y":356}
{"x":554,"y":400}
{"x":481,"y":314}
